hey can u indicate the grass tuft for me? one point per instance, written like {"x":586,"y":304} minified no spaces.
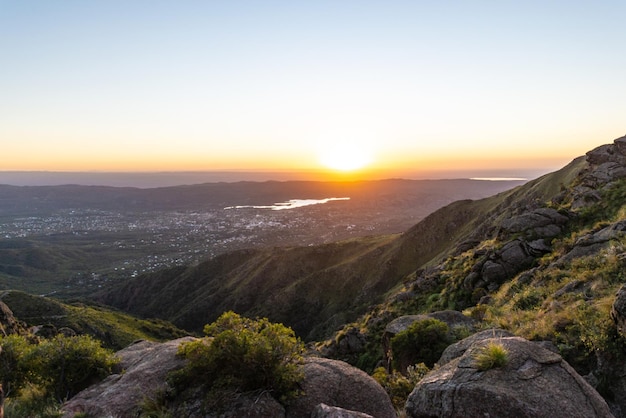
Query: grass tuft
{"x":491,"y":356}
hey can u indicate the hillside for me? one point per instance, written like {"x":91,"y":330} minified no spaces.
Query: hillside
{"x":317,"y":289}
{"x":46,"y":316}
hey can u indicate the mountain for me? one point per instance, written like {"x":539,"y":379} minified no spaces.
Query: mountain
{"x":482,"y":298}
{"x":316,"y":289}
{"x":543,"y":261}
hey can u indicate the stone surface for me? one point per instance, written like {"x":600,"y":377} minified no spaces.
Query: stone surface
{"x":535,"y":382}
{"x":338,"y":384}
{"x":145,"y":365}
{"x":325,"y":411}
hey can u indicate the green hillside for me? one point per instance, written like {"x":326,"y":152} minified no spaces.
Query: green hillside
{"x":114,"y":328}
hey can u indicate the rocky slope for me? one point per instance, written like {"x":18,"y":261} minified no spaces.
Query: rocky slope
{"x":545,"y":263}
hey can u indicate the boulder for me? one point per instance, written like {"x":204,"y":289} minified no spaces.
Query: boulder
{"x":325,"y":411}
{"x":338,"y":384}
{"x":458,"y":349}
{"x":539,"y":223}
{"x":145,"y":365}
{"x":535,"y":382}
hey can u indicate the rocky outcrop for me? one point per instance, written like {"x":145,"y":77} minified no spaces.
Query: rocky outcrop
{"x":607,"y":163}
{"x":497,"y":266}
{"x":145,"y":366}
{"x":537,"y":224}
{"x":338,"y":384}
{"x":535,"y":382}
{"x":8,"y":323}
{"x":595,"y":241}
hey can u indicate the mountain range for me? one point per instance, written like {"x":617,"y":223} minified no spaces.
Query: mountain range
{"x":537,"y":270}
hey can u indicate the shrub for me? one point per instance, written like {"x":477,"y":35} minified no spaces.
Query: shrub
{"x":243,"y":354}
{"x":66,"y":365}
{"x":422,"y":342}
{"x":399,"y":386}
{"x":491,"y":356}
{"x":13,"y":374}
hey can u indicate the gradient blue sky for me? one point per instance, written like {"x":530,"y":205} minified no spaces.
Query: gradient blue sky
{"x":276,"y":85}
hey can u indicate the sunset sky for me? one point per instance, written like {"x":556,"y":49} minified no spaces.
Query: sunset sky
{"x":402,"y":86}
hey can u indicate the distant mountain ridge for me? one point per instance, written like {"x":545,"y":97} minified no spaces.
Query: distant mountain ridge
{"x":317,"y":289}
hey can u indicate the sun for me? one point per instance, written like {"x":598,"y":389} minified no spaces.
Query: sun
{"x":345,"y":157}
{"x":345,"y":154}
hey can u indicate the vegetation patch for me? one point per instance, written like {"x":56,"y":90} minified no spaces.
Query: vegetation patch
{"x":491,"y":356}
{"x":422,"y":342}
{"x":242,"y":355}
{"x":37,"y":376}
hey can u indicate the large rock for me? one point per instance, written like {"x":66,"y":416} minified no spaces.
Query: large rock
{"x":338,"y":384}
{"x":145,"y":366}
{"x":540,"y":223}
{"x":325,"y":411}
{"x":535,"y":382}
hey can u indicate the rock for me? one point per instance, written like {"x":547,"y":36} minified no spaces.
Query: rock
{"x":590,"y":244}
{"x":245,"y":405}
{"x":325,"y":411}
{"x":145,"y":366}
{"x":620,"y":145}
{"x":539,"y":223}
{"x":603,"y":154}
{"x":534,"y":383}
{"x":338,"y":384}
{"x":8,"y":323}
{"x":458,"y":349}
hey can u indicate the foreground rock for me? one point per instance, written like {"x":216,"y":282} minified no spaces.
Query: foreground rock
{"x":535,"y":382}
{"x":145,"y":365}
{"x":338,"y":384}
{"x":325,"y":411}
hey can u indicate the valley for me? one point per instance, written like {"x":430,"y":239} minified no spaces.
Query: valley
{"x":73,"y":240}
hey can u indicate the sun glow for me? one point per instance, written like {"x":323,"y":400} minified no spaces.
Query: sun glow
{"x":345,"y":153}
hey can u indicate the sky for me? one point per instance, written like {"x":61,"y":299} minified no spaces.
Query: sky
{"x":409,"y":88}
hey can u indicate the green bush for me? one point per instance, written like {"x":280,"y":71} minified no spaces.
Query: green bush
{"x":422,"y":342}
{"x":398,"y":386}
{"x":243,"y":354}
{"x":13,"y":373}
{"x":63,"y":366}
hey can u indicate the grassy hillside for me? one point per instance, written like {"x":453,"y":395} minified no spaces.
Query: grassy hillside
{"x":115,"y":329}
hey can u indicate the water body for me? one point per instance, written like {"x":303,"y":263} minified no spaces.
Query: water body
{"x":291,"y":204}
